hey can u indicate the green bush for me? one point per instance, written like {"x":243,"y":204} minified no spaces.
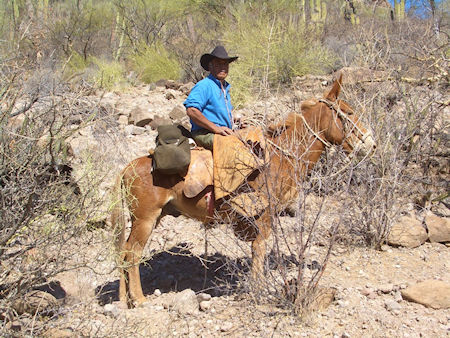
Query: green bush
{"x":108,"y":74}
{"x":155,"y":63}
{"x":76,"y":64}
{"x":272,"y":49}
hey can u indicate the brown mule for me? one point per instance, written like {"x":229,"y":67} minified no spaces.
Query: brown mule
{"x":294,"y":147}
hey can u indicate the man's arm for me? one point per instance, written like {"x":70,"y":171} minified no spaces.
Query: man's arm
{"x":200,"y":120}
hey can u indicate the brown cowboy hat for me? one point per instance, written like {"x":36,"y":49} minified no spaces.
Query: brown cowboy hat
{"x":218,"y":52}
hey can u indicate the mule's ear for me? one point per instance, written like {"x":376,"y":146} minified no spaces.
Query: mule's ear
{"x":334,"y":92}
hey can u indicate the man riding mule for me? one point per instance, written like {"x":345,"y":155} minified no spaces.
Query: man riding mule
{"x":208,"y":104}
{"x":292,"y":148}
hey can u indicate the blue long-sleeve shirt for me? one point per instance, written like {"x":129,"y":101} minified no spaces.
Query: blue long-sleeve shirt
{"x":208,"y":97}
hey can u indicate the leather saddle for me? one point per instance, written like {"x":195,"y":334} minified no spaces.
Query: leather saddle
{"x":200,"y":172}
{"x":234,"y":158}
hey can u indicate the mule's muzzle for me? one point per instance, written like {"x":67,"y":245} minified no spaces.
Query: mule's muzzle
{"x":365,"y":147}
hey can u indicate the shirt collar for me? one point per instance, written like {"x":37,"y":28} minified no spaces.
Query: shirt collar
{"x":217,"y":82}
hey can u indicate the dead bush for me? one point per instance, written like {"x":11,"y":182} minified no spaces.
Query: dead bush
{"x":45,"y":207}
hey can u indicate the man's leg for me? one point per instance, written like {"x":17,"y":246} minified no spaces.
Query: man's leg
{"x":204,"y":138}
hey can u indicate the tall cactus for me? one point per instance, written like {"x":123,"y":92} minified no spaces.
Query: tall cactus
{"x":399,"y":9}
{"x":318,"y":10}
{"x":349,"y":10}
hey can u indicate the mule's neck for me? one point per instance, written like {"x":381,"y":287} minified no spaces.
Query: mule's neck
{"x":301,"y":146}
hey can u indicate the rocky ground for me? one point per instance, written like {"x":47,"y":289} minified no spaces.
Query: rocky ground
{"x":184,"y":299}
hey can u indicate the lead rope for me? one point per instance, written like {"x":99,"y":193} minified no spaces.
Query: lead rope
{"x":224,"y":92}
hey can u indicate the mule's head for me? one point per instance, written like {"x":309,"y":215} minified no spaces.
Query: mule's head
{"x":343,"y":125}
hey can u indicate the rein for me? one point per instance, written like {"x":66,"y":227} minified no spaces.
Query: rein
{"x":344,"y":118}
{"x":287,"y":153}
{"x":334,"y":106}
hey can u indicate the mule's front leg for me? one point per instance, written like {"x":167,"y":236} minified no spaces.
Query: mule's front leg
{"x":258,"y":257}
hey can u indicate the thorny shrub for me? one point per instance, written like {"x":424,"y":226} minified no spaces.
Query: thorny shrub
{"x":45,"y":208}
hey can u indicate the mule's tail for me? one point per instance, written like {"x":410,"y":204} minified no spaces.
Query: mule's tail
{"x":118,"y":218}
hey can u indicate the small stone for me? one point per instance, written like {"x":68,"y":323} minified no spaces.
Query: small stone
{"x":203,"y":297}
{"x":227,"y":326}
{"x":385,"y":248}
{"x":347,"y":268}
{"x":35,"y":301}
{"x":157,"y":292}
{"x":398,"y":296}
{"x":372,"y":295}
{"x":392,"y":305}
{"x":57,"y":333}
{"x":186,"y":88}
{"x":123,"y":120}
{"x":134,"y":130}
{"x":111,"y":310}
{"x":366,"y":291}
{"x":205,"y":305}
{"x":177,"y":113}
{"x":185,"y":302}
{"x":387,"y":288}
{"x":345,"y":335}
{"x":140,"y":117}
{"x":171,"y":84}
{"x":170,"y":96}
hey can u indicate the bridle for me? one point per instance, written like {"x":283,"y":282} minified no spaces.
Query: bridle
{"x":348,"y":124}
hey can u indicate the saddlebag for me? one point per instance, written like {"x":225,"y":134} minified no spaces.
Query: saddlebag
{"x":172,"y":154}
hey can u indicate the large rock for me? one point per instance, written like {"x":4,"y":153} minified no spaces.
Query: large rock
{"x":184,"y":302}
{"x":171,"y":84}
{"x":407,"y":232}
{"x":140,"y":117}
{"x":431,"y":293}
{"x":438,"y":228}
{"x":186,"y":88}
{"x":178,"y":113}
{"x":134,"y":130}
{"x":36,"y":302}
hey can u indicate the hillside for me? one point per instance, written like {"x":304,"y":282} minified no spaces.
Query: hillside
{"x":362,"y":251}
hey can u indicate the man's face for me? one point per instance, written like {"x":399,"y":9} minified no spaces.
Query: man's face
{"x":219,"y":68}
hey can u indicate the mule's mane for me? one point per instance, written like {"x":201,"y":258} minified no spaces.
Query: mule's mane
{"x":291,"y":119}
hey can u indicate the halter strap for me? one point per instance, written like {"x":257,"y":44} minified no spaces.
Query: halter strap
{"x":287,"y":153}
{"x":344,"y":116}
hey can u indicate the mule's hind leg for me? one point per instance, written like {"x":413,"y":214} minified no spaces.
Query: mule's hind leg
{"x":259,"y":248}
{"x":141,"y":229}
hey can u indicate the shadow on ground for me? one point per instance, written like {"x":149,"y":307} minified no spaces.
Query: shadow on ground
{"x":178,"y":269}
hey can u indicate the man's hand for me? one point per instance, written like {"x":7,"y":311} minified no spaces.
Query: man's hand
{"x":203,"y":122}
{"x":224,"y":131}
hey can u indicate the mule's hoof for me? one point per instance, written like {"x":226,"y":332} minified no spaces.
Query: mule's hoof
{"x":140,"y":302}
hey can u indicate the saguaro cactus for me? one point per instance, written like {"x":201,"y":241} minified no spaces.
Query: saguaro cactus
{"x":318,"y":10}
{"x":349,"y":10}
{"x":399,"y":9}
